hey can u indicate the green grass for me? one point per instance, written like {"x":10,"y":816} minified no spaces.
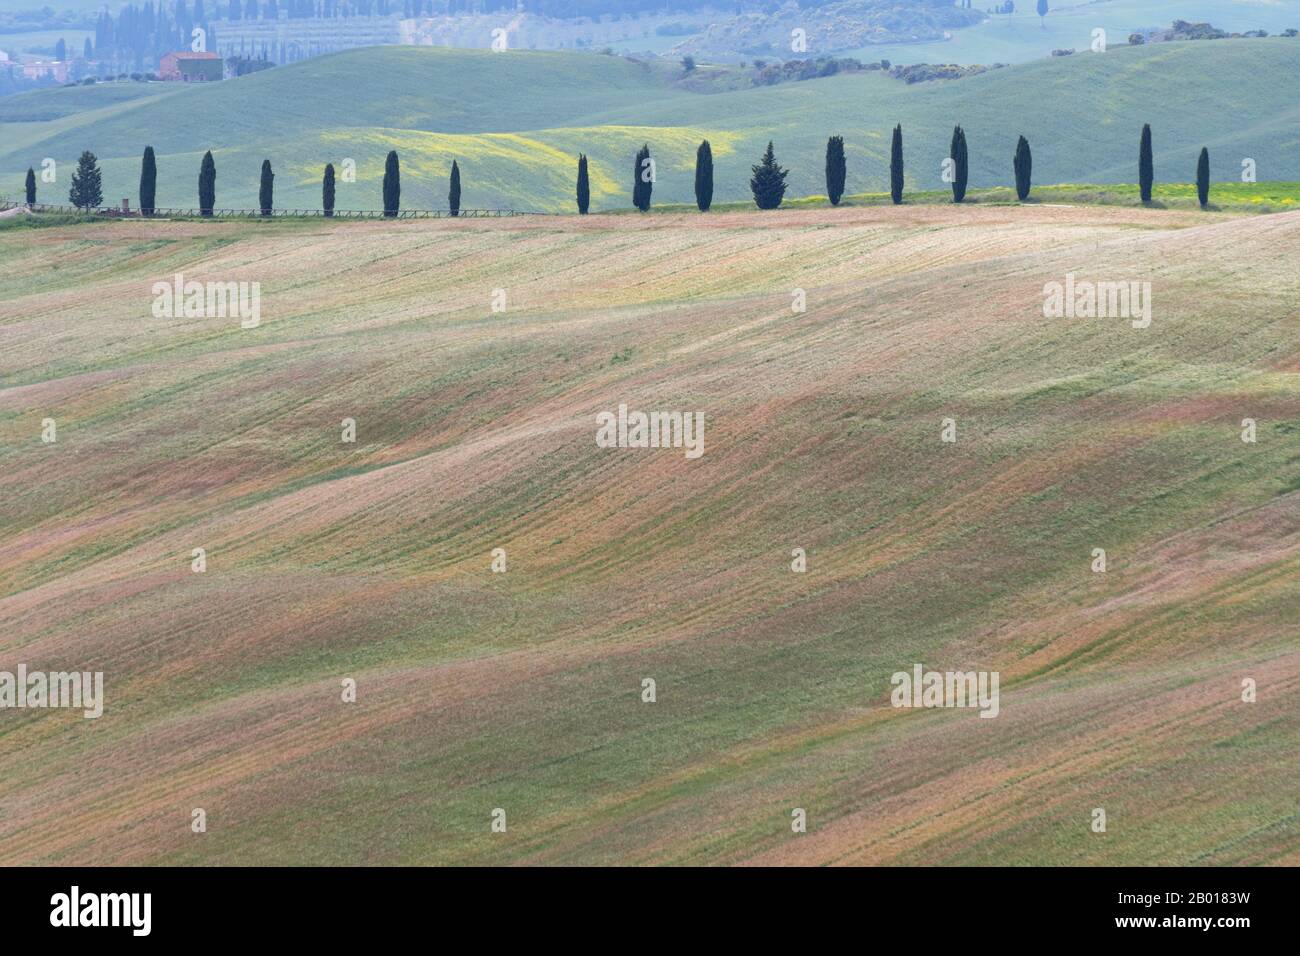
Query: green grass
{"x":515,"y":123}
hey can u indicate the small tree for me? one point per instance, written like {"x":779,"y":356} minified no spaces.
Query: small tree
{"x":768,"y":181}
{"x":688,"y":63}
{"x":704,"y":176}
{"x":266,"y":192}
{"x":643,"y":184}
{"x":31,"y":186}
{"x":327,"y":191}
{"x":896,"y":166}
{"x":1024,"y":167}
{"x":1042,"y":12}
{"x":392,"y":185}
{"x":836,"y":169}
{"x":584,"y":186}
{"x":148,"y":182}
{"x":86,"y":191}
{"x":207,"y":185}
{"x":453,"y":193}
{"x":1203,"y":177}
{"x":957,"y":153}
{"x":1146,"y":168}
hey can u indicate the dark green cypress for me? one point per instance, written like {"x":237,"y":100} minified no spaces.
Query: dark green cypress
{"x":957,"y":152}
{"x":31,"y":186}
{"x":327,"y":190}
{"x":1146,"y":167}
{"x":584,"y":186}
{"x":148,"y":182}
{"x":896,"y":166}
{"x":836,"y":169}
{"x":266,"y":192}
{"x":453,"y":193}
{"x":1024,"y":167}
{"x":392,"y":185}
{"x":768,"y":182}
{"x":1203,"y":177}
{"x":207,"y":185}
{"x":643,"y":184}
{"x":704,"y":176}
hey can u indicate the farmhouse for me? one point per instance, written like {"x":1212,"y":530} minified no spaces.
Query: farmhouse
{"x":190,"y":67}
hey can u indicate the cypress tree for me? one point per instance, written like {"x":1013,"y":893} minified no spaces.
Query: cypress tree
{"x":836,"y":169}
{"x":957,"y":152}
{"x":1203,"y":177}
{"x":768,"y":182}
{"x":327,"y":190}
{"x":148,"y":182}
{"x":86,"y":192}
{"x":643,"y":183}
{"x":704,"y":176}
{"x":31,"y":186}
{"x":265,"y":193}
{"x":584,"y":186}
{"x":207,"y":185}
{"x":1024,"y":167}
{"x":453,"y":194}
{"x":1146,"y":169}
{"x":392,"y":185}
{"x":896,"y":166}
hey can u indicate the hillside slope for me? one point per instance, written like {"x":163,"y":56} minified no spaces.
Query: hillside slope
{"x":522,"y":690}
{"x":516,"y":122}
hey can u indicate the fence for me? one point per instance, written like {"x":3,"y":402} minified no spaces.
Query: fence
{"x":196,"y":213}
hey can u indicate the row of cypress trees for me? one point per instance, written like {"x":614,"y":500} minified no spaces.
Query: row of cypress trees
{"x":86,"y":192}
{"x":767,"y":181}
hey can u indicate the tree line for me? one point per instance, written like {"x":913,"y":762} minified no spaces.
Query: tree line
{"x":767,"y":180}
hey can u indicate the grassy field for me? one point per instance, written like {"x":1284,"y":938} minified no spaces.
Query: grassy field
{"x":1082,"y":115}
{"x":522,"y":690}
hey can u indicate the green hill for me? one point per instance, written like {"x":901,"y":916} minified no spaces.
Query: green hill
{"x":516,"y":122}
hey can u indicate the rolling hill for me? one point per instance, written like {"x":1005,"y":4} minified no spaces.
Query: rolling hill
{"x":1082,"y":115}
{"x":522,"y":690}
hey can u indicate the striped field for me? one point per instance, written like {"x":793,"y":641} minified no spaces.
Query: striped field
{"x":475,"y":430}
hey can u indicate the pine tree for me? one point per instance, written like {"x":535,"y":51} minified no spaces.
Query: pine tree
{"x":266,"y":192}
{"x":31,"y":186}
{"x":86,"y":192}
{"x":148,"y":182}
{"x":1024,"y":167}
{"x":836,"y":169}
{"x":768,"y":181}
{"x":957,"y":152}
{"x":207,"y":185}
{"x":704,"y":176}
{"x":1146,"y":168}
{"x":327,"y":190}
{"x":584,"y":186}
{"x":896,"y":166}
{"x":1203,"y":177}
{"x":453,"y":194}
{"x":643,"y":185}
{"x":392,"y":185}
